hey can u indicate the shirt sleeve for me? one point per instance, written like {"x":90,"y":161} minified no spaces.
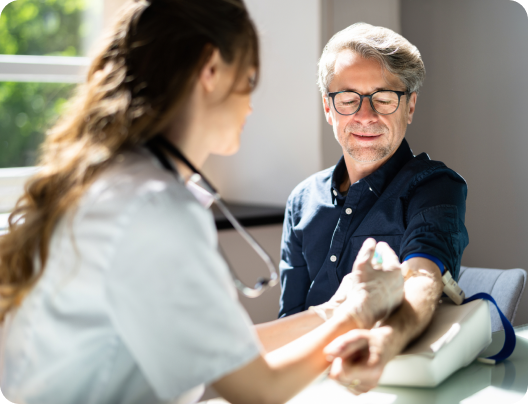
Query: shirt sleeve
{"x":436,"y":219}
{"x":171,"y":297}
{"x":295,"y":279}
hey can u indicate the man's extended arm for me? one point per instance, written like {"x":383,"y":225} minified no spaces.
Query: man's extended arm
{"x":373,"y":349}
{"x":366,"y":295}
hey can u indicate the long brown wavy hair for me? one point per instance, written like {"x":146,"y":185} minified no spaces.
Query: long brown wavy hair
{"x":136,"y":85}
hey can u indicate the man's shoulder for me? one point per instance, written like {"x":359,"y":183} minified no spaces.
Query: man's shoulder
{"x":423,"y":168}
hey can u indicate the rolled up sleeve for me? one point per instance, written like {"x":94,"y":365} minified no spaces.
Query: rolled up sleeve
{"x":436,"y":219}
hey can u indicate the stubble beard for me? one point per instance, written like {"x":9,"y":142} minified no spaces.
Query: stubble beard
{"x":366,"y":154}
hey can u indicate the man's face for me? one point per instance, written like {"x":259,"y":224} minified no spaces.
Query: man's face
{"x":366,"y":136}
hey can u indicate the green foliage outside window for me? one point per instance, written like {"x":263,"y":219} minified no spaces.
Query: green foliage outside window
{"x":46,"y":28}
{"x":27,"y":110}
{"x":42,"y":27}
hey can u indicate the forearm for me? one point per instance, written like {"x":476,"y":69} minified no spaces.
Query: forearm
{"x":279,"y":375}
{"x":422,"y":293}
{"x":302,"y":360}
{"x":277,"y":333}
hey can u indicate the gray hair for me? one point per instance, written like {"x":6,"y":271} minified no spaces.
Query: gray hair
{"x":395,"y":54}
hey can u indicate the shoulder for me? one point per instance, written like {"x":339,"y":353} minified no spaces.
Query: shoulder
{"x":137,"y":190}
{"x":134,"y":176}
{"x":434,"y":186}
{"x":424,"y":171}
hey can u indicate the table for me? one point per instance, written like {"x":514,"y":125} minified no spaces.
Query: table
{"x":505,"y":383}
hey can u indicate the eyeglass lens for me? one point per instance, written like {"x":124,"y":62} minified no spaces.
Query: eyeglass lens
{"x":384,"y":102}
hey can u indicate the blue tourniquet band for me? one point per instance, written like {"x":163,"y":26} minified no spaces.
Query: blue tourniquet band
{"x":429,"y":257}
{"x":510,"y":338}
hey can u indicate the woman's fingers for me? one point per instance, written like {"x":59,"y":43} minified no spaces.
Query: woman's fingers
{"x":347,"y":344}
{"x":355,"y":365}
{"x":366,"y":252}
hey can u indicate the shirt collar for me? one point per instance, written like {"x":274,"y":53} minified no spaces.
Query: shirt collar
{"x":379,"y":179}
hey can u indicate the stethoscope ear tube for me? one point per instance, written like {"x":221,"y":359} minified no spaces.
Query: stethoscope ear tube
{"x":155,"y":145}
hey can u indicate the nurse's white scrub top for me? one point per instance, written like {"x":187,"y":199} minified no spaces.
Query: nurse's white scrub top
{"x":135,"y":304}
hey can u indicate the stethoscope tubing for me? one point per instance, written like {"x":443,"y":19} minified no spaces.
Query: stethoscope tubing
{"x":159,"y":142}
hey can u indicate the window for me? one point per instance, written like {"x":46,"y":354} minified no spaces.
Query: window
{"x":43,"y":55}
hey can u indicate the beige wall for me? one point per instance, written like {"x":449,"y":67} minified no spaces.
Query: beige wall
{"x":472,"y":114}
{"x":280,"y":142}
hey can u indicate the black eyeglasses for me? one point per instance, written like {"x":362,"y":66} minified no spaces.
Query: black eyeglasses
{"x":383,"y":102}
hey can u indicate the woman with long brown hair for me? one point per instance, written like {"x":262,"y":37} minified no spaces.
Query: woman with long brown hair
{"x":110,"y":281}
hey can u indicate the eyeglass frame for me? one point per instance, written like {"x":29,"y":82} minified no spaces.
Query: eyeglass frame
{"x":369,"y":96}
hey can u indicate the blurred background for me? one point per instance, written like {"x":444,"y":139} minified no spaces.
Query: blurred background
{"x":472,"y":112}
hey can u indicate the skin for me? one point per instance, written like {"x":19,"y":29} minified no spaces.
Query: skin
{"x":293,"y":352}
{"x":213,"y":124}
{"x":361,"y":355}
{"x":215,"y":115}
{"x":368,"y":141}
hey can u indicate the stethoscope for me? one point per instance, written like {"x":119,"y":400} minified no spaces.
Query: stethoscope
{"x":159,"y":143}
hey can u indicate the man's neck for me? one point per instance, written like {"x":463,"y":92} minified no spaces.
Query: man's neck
{"x":358,"y":170}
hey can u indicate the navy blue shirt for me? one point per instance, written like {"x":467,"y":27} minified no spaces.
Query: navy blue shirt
{"x":415,"y":204}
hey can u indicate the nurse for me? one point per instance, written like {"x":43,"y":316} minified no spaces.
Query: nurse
{"x":111,"y":286}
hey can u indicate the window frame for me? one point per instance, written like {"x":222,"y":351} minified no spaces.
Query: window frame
{"x":43,"y":69}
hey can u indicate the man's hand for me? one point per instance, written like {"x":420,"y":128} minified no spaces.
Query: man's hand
{"x":371,"y":291}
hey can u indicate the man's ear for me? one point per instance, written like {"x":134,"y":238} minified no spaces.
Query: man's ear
{"x":326,"y":107}
{"x":210,"y":73}
{"x":411,"y":106}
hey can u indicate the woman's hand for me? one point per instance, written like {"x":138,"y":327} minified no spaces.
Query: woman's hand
{"x":371,"y":291}
{"x":360,"y":356}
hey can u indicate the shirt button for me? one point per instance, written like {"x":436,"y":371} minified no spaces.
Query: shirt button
{"x":370,"y":189}
{"x":334,"y":192}
{"x":348,"y":211}
{"x":333,"y":258}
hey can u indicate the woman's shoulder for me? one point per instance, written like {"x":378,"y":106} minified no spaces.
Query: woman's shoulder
{"x":133,"y":174}
{"x":133,"y":177}
{"x":135,"y":184}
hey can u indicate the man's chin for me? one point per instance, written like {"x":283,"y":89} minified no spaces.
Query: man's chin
{"x":370,"y":155}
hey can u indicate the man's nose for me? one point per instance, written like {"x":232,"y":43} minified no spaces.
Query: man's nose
{"x":366,"y":113}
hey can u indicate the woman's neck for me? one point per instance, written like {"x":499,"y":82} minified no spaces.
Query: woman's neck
{"x":188,"y":134}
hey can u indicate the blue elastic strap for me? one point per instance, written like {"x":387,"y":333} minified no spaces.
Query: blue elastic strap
{"x":510,"y":338}
{"x":429,"y":257}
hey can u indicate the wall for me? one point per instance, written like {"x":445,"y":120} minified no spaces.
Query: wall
{"x":472,"y":114}
{"x":287,"y":139}
{"x":280,"y":143}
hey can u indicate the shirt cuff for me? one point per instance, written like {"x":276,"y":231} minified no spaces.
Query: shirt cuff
{"x":429,"y":257}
